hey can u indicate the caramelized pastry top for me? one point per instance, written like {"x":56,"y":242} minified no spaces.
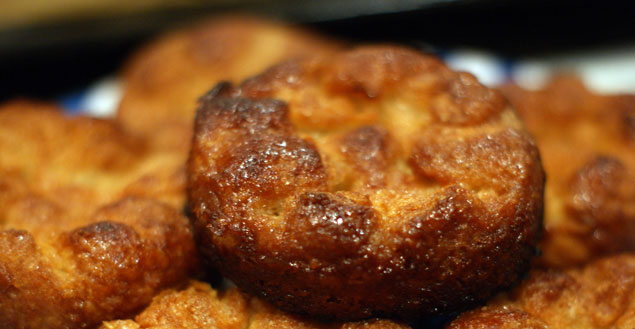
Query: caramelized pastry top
{"x":371,"y":182}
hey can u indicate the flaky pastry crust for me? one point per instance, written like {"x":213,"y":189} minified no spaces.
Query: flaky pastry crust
{"x":87,"y":230}
{"x":587,"y":144}
{"x":373,"y":182}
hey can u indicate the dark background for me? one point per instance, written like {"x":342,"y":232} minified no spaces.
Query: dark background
{"x":49,"y":60}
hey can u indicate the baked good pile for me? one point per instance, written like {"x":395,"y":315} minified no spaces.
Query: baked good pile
{"x":332,"y":185}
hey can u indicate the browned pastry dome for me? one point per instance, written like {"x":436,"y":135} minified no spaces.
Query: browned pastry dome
{"x":84,"y":236}
{"x":598,"y":296}
{"x":587,"y":143}
{"x":200,"y":306}
{"x":374,"y":182}
{"x":163,"y":80}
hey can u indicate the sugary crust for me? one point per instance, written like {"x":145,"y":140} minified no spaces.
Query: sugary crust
{"x":598,"y":296}
{"x":374,"y":182}
{"x":163,"y":80}
{"x":84,"y":237}
{"x":200,"y":306}
{"x":587,"y":143}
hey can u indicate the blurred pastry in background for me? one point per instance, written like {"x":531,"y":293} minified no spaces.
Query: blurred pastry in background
{"x":164,"y":79}
{"x":587,"y":145}
{"x":82,"y":162}
{"x":201,"y":306}
{"x":370,"y":182}
{"x":90,"y":224}
{"x":599,"y":295}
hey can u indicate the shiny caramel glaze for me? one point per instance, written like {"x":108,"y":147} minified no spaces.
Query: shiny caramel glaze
{"x":373,"y":182}
{"x":89,"y":226}
{"x":587,"y":143}
{"x":600,"y":295}
{"x":200,"y":306}
{"x":163,"y":80}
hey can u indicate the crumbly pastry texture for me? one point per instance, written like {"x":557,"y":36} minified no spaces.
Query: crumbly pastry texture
{"x":163,"y":80}
{"x":587,"y":144}
{"x":90,"y":223}
{"x":599,"y":295}
{"x":200,"y":306}
{"x":371,"y":182}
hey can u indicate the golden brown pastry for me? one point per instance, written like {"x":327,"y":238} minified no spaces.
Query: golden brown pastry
{"x":373,"y":182}
{"x":200,"y":306}
{"x":84,"y":234}
{"x":164,"y":79}
{"x":587,"y":144}
{"x":600,"y":295}
{"x":80,"y":161}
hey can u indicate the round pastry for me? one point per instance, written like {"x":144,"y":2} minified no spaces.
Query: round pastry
{"x":587,"y":143}
{"x":372,"y":182}
{"x":87,"y":232}
{"x":163,"y":80}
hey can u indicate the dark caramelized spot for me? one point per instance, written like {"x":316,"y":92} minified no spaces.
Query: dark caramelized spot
{"x":108,"y":249}
{"x":248,"y":115}
{"x":455,"y":211}
{"x":271,"y":166}
{"x":223,"y":88}
{"x":329,"y":226}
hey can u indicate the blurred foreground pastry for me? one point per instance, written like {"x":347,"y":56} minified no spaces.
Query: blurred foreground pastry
{"x":89,"y":224}
{"x":587,"y":144}
{"x":164,"y":79}
{"x":373,"y":182}
{"x":200,"y":306}
{"x":600,"y":295}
